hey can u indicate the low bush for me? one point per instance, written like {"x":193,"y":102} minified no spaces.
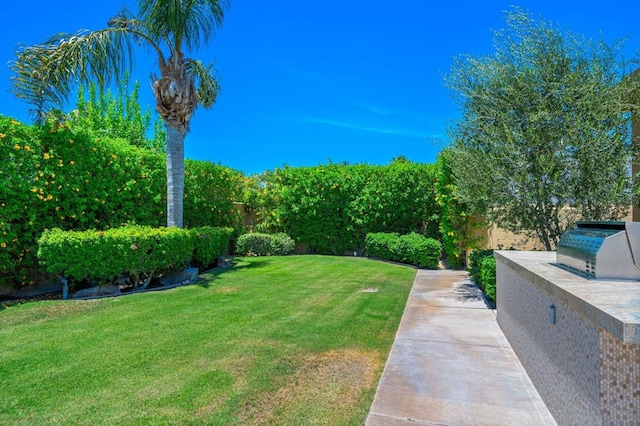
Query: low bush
{"x":72,"y":179}
{"x":102,"y":256}
{"x":210,"y":243}
{"x":381,"y":244}
{"x":259,"y":244}
{"x":475,"y":264}
{"x":418,"y":250}
{"x":332,"y":207}
{"x":488,"y":273}
{"x":411,"y":248}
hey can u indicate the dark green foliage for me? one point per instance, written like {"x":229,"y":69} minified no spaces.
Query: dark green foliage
{"x":412,"y":248}
{"x":56,"y":177}
{"x":102,"y":256}
{"x":418,"y":250}
{"x":260,"y":244}
{"x":475,"y":265}
{"x":333,"y":207}
{"x":381,"y":244}
{"x":488,"y":273}
{"x":210,"y":243}
{"x":209,"y":193}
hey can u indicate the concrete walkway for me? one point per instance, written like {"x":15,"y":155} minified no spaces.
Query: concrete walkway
{"x":450,"y":364}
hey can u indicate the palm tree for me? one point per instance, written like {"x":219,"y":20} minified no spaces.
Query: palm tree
{"x":45,"y":74}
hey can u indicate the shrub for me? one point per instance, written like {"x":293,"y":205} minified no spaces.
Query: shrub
{"x":282,"y":244}
{"x":210,"y":243}
{"x":102,"y":256}
{"x":475,"y":264}
{"x":418,"y":250}
{"x":412,"y":248}
{"x":381,"y":244}
{"x":67,"y":178}
{"x":488,"y":273}
{"x":333,"y":207}
{"x":259,"y":244}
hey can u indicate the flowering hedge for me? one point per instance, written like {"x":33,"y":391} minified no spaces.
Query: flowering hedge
{"x":332,"y":207}
{"x":56,"y":177}
{"x":103,"y":256}
{"x":259,"y":244}
{"x":210,"y":243}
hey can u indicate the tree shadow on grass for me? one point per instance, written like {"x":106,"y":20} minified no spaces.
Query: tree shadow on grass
{"x":208,"y":276}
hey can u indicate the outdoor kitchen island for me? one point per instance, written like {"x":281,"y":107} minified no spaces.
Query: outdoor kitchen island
{"x":577,"y":338}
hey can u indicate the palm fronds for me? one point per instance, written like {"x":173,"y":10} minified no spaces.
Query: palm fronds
{"x":204,"y":77}
{"x":45,"y":74}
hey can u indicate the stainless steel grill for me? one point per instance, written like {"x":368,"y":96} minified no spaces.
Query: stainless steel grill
{"x":602,"y":250}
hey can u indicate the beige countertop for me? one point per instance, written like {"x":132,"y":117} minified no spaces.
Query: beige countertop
{"x":612,"y":305}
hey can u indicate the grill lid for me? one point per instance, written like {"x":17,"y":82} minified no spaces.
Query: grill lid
{"x":603,"y":250}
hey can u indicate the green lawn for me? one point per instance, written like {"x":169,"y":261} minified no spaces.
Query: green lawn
{"x":275,"y":340}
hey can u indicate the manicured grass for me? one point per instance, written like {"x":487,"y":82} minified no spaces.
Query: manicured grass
{"x":275,"y":340}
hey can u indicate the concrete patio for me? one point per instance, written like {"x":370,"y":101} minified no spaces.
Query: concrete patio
{"x":450,"y":363}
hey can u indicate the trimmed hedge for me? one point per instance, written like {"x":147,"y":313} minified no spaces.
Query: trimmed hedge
{"x":411,"y":248}
{"x":103,"y":256}
{"x":333,"y":207}
{"x":259,"y":244}
{"x":488,"y":273}
{"x":210,"y":243}
{"x":475,"y":265}
{"x":58,"y":177}
{"x":482,"y":269}
{"x":381,"y":244}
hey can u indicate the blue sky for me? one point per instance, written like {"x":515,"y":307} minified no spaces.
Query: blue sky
{"x":308,"y":81}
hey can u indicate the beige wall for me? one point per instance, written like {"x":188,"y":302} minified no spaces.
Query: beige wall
{"x":494,"y":237}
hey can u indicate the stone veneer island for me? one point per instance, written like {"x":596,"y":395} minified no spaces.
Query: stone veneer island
{"x":577,"y":338}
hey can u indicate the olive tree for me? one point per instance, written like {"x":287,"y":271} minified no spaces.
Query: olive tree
{"x":544,"y":137}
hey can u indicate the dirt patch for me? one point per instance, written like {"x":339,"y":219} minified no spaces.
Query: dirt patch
{"x":47,"y":311}
{"x":331,"y":382}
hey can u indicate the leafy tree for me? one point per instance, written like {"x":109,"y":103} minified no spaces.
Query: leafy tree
{"x":45,"y":74}
{"x":119,"y":116}
{"x":544,"y":138}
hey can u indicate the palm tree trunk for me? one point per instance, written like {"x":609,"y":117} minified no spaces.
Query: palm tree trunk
{"x":175,"y":175}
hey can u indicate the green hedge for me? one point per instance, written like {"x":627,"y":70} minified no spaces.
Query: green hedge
{"x":71,"y":180}
{"x":333,"y":207}
{"x":103,"y":256}
{"x":260,"y":244}
{"x":475,"y":265}
{"x":381,"y":244}
{"x":488,"y":273}
{"x":210,"y":243}
{"x":412,"y":248}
